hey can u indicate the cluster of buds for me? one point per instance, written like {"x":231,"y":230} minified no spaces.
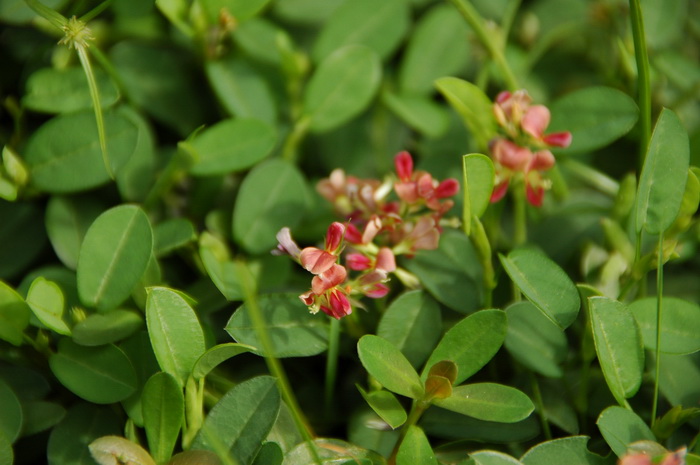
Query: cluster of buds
{"x":522,"y":150}
{"x":377,"y":228}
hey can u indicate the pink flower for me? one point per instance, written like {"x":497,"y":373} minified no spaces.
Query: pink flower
{"x":318,"y":261}
{"x":327,"y":295}
{"x":421,"y":235}
{"x":286,"y":245}
{"x":641,"y":458}
{"x":358,"y":261}
{"x":415,"y":186}
{"x":534,"y":123}
{"x":385,"y":260}
{"x":337,"y":305}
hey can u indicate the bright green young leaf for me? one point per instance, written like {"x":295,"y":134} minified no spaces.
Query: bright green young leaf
{"x":102,"y":375}
{"x":544,"y":284}
{"x":663,"y":178}
{"x":477,"y":185}
{"x":621,"y":427}
{"x":219,"y":265}
{"x":413,"y":324}
{"x":473,"y":105}
{"x":64,"y":154}
{"x":242,"y":419}
{"x":69,"y":440}
{"x":273,"y":195}
{"x":434,"y":50}
{"x":415,"y":449}
{"x":113,"y":257}
{"x":163,"y":413}
{"x":176,"y":335}
{"x":216,"y":355}
{"x":386,"y":405}
{"x":680,"y":324}
{"x":108,"y":450}
{"x":419,"y":112}
{"x":488,"y":401}
{"x":471,"y":343}
{"x":534,"y":340}
{"x":12,"y":416}
{"x":341,"y":87}
{"x":595,"y":116}
{"x":241,"y":89}
{"x":46,"y":301}
{"x":364,"y":22}
{"x":619,"y":346}
{"x":67,"y":222}
{"x":491,"y":457}
{"x":570,"y":450}
{"x":292,"y":330}
{"x":108,"y":327}
{"x":14,"y":315}
{"x":232,"y":145}
{"x":388,"y":366}
{"x":51,"y":90}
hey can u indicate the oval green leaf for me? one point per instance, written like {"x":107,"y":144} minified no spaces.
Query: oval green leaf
{"x":413,"y":324}
{"x":342,"y":86}
{"x":388,"y":366}
{"x":64,"y":154}
{"x":618,"y":344}
{"x":386,"y":405}
{"x":163,"y":413}
{"x":478,"y":176}
{"x":415,"y":449}
{"x":12,"y":417}
{"x":176,"y":335}
{"x":595,"y":116}
{"x":680,"y":324}
{"x":14,"y":315}
{"x":52,"y":90}
{"x":544,"y":284}
{"x":41,"y":416}
{"x":67,"y":221}
{"x":171,"y":234}
{"x":569,"y":450}
{"x":490,"y":457}
{"x":620,"y":427}
{"x":273,"y":195}
{"x":108,"y":327}
{"x":216,"y":355}
{"x":419,"y":112}
{"x":664,"y":175}
{"x":113,"y":257}
{"x":471,"y":343}
{"x":46,"y":300}
{"x":232,"y":145}
{"x":488,"y":401}
{"x":102,"y":375}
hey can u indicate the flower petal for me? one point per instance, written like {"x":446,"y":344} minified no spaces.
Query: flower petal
{"x":447,"y":188}
{"x":316,"y":260}
{"x":358,"y":261}
{"x":334,"y":236}
{"x":386,"y":260}
{"x":536,"y":120}
{"x":328,"y":280}
{"x":499,"y":191}
{"x":542,"y":160}
{"x":286,"y":244}
{"x":339,"y":305}
{"x":558,"y":139}
{"x":404,"y":165}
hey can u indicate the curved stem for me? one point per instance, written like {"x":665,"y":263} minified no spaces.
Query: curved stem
{"x":290,"y":149}
{"x":659,"y":301}
{"x":643,"y":82}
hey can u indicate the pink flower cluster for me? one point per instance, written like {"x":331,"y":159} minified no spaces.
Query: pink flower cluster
{"x":671,"y":458}
{"x":522,"y":127}
{"x":377,"y":229}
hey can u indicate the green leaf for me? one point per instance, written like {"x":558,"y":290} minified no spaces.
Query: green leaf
{"x":52,"y":90}
{"x":621,"y":427}
{"x":341,"y":87}
{"x":242,"y":418}
{"x":241,"y":10}
{"x":108,"y":450}
{"x":18,"y":12}
{"x":270,"y":454}
{"x":40,"y":416}
{"x":171,"y":234}
{"x":471,"y":343}
{"x":490,"y":457}
{"x":544,"y":284}
{"x":163,"y":413}
{"x":413,"y":324}
{"x":570,"y":450}
{"x":472,"y":105}
{"x":415,"y":449}
{"x":102,"y":375}
{"x":22,"y":235}
{"x":388,"y":366}
{"x":306,"y":11}
{"x":195,"y":457}
{"x":6,"y":453}
{"x":533,"y":340}
{"x":64,"y":154}
{"x":452,"y":425}
{"x":69,"y":440}
{"x":595,"y":116}
{"x":680,"y":324}
{"x":618,"y":344}
{"x":14,"y":315}
{"x":332,"y":452}
{"x":12,"y":417}
{"x":108,"y":327}
{"x":364,"y":22}
{"x":273,"y":195}
{"x":386,"y":405}
{"x":477,"y":183}
{"x":176,"y":335}
{"x":434,"y":50}
{"x":241,"y":89}
{"x":137,"y":177}
{"x":138,"y":349}
{"x":258,"y":38}
{"x":292,"y":330}
{"x":232,"y":145}
{"x":67,"y":221}
{"x":46,"y":301}
{"x":113,"y":257}
{"x":419,"y":112}
{"x":662,"y":182}
{"x":216,"y":355}
{"x":488,"y":401}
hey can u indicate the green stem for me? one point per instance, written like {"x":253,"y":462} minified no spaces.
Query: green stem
{"x":509,"y":18}
{"x":417,"y":410}
{"x":519,"y":215}
{"x":643,"y":82}
{"x":476,"y":22}
{"x":332,"y":362}
{"x":290,"y":151}
{"x":659,"y":300}
{"x":592,"y":177}
{"x":482,"y":246}
{"x":539,"y":405}
{"x":96,"y":11}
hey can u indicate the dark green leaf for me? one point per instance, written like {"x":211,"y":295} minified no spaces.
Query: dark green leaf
{"x":52,"y":90}
{"x":621,"y":427}
{"x":105,"y":328}
{"x":22,"y":236}
{"x":571,"y":450}
{"x":67,"y":222}
{"x":40,"y":416}
{"x":415,"y":449}
{"x":163,"y":414}
{"x":172,"y":234}
{"x":12,"y":416}
{"x":388,"y":366}
{"x":452,"y":425}
{"x":488,"y":401}
{"x":270,"y":454}
{"x":419,"y":112}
